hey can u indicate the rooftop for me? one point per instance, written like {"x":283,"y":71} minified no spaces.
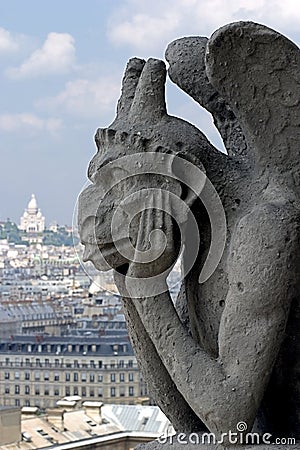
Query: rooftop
{"x":38,"y":345}
{"x":82,"y":426}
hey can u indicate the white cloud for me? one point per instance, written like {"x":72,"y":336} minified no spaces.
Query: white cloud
{"x":56,"y":56}
{"x":149,"y":26}
{"x":85,"y":98}
{"x":143,"y":31}
{"x":8,"y":42}
{"x":30,"y":123}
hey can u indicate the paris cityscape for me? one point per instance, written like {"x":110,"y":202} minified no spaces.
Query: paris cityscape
{"x":65,"y":353}
{"x":207,"y":356}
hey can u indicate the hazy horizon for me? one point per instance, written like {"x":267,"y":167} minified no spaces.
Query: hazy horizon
{"x":61,"y":69}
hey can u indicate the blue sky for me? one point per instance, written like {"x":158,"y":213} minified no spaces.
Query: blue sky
{"x":61,"y":64}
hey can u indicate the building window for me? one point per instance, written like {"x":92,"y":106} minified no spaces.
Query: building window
{"x":17,"y":402}
{"x":83,"y":391}
{"x":68,"y":364}
{"x":130,"y":363}
{"x":56,"y":391}
{"x":92,"y":364}
{"x":56,"y":362}
{"x":131,"y":391}
{"x":17,"y":362}
{"x":27,"y":390}
{"x":112,"y":364}
{"x":92,"y":377}
{"x":100,"y":377}
{"x":17,"y":389}
{"x":122,"y":391}
{"x":75,"y":390}
{"x":130,"y":377}
{"x":47,"y":363}
{"x":6,"y":376}
{"x":112,"y":377}
{"x":83,"y":376}
{"x":46,"y":390}
{"x":122,"y":377}
{"x":17,"y":375}
{"x":68,"y":376}
{"x":92,"y":392}
{"x":76,"y":364}
{"x":46,"y":376}
{"x":121,"y":363}
{"x":27,"y":362}
{"x":27,"y":375}
{"x":100,"y":364}
{"x":37,"y":390}
{"x":56,"y":376}
{"x":75,"y":376}
{"x":68,"y":392}
{"x":38,"y":362}
{"x":100,"y":392}
{"x":6,"y":390}
{"x":27,"y":403}
{"x":112,"y":392}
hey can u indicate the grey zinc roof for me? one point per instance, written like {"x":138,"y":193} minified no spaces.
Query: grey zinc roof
{"x":28,"y":312}
{"x":6,"y":316}
{"x":105,"y":345}
{"x":140,"y":418}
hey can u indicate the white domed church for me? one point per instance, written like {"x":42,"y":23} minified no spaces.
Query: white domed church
{"x":32,"y":220}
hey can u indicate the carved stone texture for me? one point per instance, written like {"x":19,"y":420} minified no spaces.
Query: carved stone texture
{"x":228,"y":351}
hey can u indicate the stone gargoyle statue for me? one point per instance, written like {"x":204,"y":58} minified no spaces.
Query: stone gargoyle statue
{"x":227,"y":350}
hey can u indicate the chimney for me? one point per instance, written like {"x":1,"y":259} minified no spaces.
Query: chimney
{"x":55,"y":417}
{"x":29,"y":411}
{"x":93,"y":411}
{"x":70,"y":403}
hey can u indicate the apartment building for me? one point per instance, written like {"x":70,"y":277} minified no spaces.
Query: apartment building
{"x":40,"y":370}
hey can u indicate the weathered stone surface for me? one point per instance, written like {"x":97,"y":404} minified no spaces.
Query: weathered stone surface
{"x":229,"y":350}
{"x":186,"y":58}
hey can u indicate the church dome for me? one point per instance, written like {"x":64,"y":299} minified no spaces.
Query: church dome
{"x":32,"y":205}
{"x":32,"y":220}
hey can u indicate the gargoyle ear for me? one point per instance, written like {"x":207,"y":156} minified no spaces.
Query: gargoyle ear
{"x":189,"y":170}
{"x":149,"y":99}
{"x":129,"y":83}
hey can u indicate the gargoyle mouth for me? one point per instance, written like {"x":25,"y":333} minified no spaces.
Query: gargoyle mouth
{"x":93,"y":250}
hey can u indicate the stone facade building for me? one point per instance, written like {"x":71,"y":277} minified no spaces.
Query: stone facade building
{"x":40,"y":370}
